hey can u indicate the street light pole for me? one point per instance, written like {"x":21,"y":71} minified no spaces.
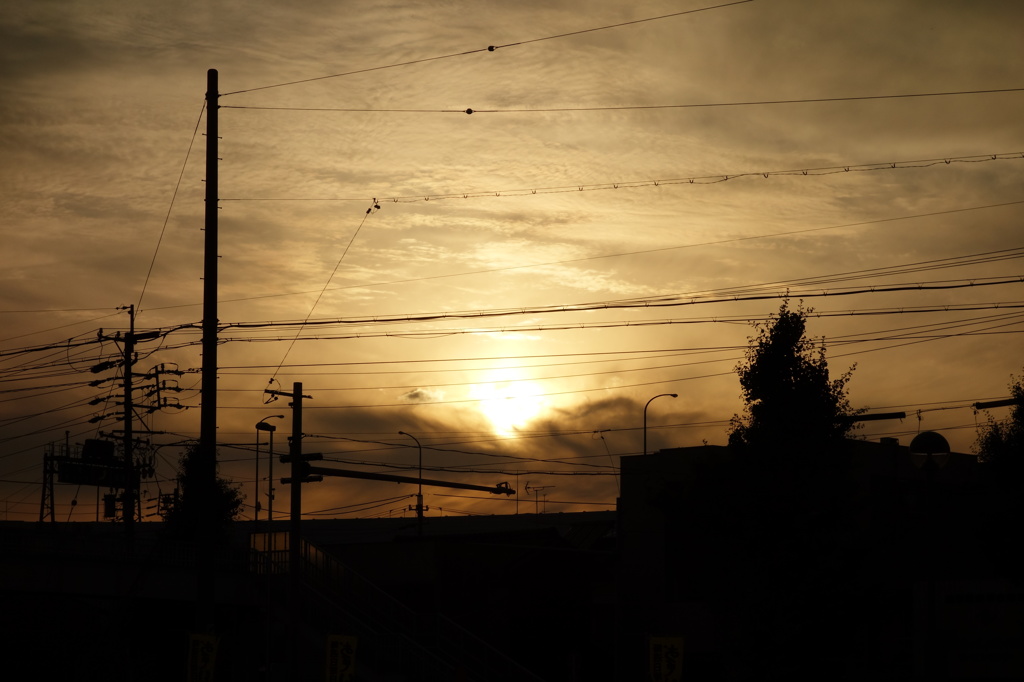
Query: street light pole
{"x":661,"y":395}
{"x":268,"y":543}
{"x":256,"y":482}
{"x":419,"y":495}
{"x":262,"y":425}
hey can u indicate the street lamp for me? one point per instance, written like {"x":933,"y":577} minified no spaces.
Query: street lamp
{"x":662,"y":395}
{"x":262,"y":425}
{"x":419,"y":495}
{"x":269,"y":545}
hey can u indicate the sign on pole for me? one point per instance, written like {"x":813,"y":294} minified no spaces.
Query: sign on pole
{"x":666,"y":659}
{"x":202,"y":657}
{"x":341,"y":658}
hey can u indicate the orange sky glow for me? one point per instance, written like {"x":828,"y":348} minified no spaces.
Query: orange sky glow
{"x":536,"y":271}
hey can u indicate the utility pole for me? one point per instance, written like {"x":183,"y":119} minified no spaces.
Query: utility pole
{"x":129,"y":497}
{"x":49,"y":471}
{"x":208,"y":409}
{"x":128,"y":501}
{"x":299,"y":475}
{"x":206,"y":455}
{"x":295,"y":451}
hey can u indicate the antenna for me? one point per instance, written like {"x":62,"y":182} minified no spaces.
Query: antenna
{"x":536,"y":490}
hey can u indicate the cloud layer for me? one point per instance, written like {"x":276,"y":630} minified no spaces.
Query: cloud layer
{"x":97,"y":119}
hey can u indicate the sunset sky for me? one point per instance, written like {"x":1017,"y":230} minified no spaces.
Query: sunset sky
{"x":638,"y":183}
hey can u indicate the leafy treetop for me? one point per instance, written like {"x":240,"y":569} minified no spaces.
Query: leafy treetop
{"x":791,"y":402}
{"x":1000,"y":443}
{"x":189,"y":515}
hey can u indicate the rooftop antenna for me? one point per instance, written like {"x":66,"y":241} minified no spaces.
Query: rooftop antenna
{"x":536,"y":490}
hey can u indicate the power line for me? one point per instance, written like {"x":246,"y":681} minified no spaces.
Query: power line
{"x":624,"y":23}
{"x":841,"y":340}
{"x":662,"y":381}
{"x":489,"y":48}
{"x":688,"y":180}
{"x":962,"y":403}
{"x":344,"y":253}
{"x":913,"y":340}
{"x":475,"y":359}
{"x":661,"y":302}
{"x":320,"y":371}
{"x":52,"y":310}
{"x":901,"y":310}
{"x":532,"y":328}
{"x":717,"y":242}
{"x":636,"y":107}
{"x":52,"y":346}
{"x":58,"y":387}
{"x":63,"y":326}
{"x":170,"y":206}
{"x":673,"y":301}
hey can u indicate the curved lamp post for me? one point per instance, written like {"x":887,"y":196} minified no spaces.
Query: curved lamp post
{"x":269,"y":545}
{"x":262,"y":425}
{"x":661,"y":395}
{"x":419,"y":495}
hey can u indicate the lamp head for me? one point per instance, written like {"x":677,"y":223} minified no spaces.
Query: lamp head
{"x":262,"y":424}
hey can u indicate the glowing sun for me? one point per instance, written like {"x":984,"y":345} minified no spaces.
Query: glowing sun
{"x":509,"y":406}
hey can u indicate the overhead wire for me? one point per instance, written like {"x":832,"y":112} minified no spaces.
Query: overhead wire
{"x":359,"y":506}
{"x":716,"y":242}
{"x":314,"y":304}
{"x":369,"y":211}
{"x":62,"y":347}
{"x":673,"y":300}
{"x":489,"y":48}
{"x":1016,"y":319}
{"x":636,"y":107}
{"x":63,"y":326}
{"x":834,"y":341}
{"x":947,"y":285}
{"x":606,"y":469}
{"x":943,"y":308}
{"x":962,"y":403}
{"x":57,"y":387}
{"x":656,"y":182}
{"x":170,"y":207}
{"x":902,"y":268}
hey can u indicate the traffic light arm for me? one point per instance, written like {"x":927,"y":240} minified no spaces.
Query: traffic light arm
{"x":500,"y":489}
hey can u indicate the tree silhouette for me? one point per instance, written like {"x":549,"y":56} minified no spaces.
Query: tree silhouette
{"x":788,"y":502}
{"x":1000,"y":444}
{"x":791,"y":403}
{"x":1000,"y":450}
{"x":186,"y":515}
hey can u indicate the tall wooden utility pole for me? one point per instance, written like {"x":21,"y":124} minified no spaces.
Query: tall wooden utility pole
{"x":206,"y":464}
{"x":299,"y":470}
{"x":208,"y":409}
{"x":299,"y":474}
{"x":295,"y":454}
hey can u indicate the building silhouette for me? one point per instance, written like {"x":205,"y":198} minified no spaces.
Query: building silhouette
{"x":883,"y":571}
